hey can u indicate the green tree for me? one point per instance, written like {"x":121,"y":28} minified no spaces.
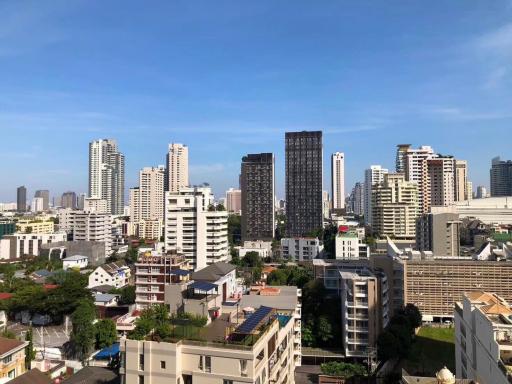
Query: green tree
{"x":324,"y":329}
{"x":83,"y":334}
{"x":234,"y":229}
{"x":127,"y":295}
{"x":106,"y":333}
{"x":132,"y":255}
{"x":387,"y":346}
{"x":342,"y":369}
{"x":413,"y":315}
{"x":252,"y":259}
{"x":308,"y":337}
{"x":30,"y":353}
{"x":277,"y":277}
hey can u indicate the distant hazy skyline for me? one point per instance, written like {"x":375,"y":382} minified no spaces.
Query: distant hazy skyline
{"x":228,"y":78}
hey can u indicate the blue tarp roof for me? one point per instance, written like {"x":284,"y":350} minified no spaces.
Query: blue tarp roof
{"x":108,"y":352}
{"x":180,"y":272}
{"x":203,"y":286}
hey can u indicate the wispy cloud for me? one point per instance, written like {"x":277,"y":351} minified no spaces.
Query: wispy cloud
{"x":460,"y":114}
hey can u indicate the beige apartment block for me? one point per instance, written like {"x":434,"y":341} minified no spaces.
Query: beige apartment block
{"x":177,"y":167}
{"x":35,"y":226}
{"x":147,"y":200}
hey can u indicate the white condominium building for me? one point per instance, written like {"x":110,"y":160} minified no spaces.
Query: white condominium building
{"x":350,"y":247}
{"x":395,"y":207}
{"x":106,"y":174}
{"x":21,"y":244}
{"x":338,"y":180}
{"x":372,"y":177}
{"x":147,"y":200}
{"x":483,"y":338}
{"x":177,"y":167}
{"x":416,"y":170}
{"x":194,"y":228}
{"x":301,"y":248}
{"x":88,"y":226}
{"x":96,"y":205}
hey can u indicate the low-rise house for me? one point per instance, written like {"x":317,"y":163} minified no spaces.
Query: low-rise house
{"x":301,"y":248}
{"x":12,"y":358}
{"x":77,"y":261}
{"x":106,"y":300}
{"x":223,"y":275}
{"x":115,"y":274}
{"x":34,"y":376}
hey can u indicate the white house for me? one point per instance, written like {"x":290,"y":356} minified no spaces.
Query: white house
{"x":221,"y":274}
{"x":301,"y":248}
{"x":115,"y":274}
{"x":76,"y":261}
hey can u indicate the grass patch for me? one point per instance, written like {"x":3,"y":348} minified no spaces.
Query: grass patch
{"x":432,"y":349}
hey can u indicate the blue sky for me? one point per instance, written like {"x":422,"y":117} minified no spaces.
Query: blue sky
{"x":230,"y":77}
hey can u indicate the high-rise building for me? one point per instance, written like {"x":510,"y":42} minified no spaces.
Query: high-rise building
{"x":461,"y":181}
{"x":401,"y":157}
{"x":106,"y":174}
{"x":37,"y":205}
{"x":439,"y":232}
{"x":234,"y":200}
{"x":441,"y":173}
{"x":258,"y":196}
{"x":481,"y":192}
{"x":356,"y":199}
{"x":469,"y":189}
{"x":21,"y":193}
{"x":68,"y":200}
{"x":304,"y":160}
{"x":80,"y":201}
{"x":194,"y":228}
{"x":326,"y":205}
{"x":416,"y":171}
{"x":338,"y":180}
{"x":176,"y":175}
{"x":45,"y":195}
{"x":372,"y":177}
{"x":147,"y":200}
{"x":501,"y":177}
{"x":395,"y":207}
{"x":95,"y":205}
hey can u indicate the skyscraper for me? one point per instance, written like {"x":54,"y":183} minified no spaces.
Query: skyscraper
{"x":461,"y":181}
{"x":234,"y":200}
{"x":401,"y":157}
{"x":45,"y":195}
{"x":147,"y":200}
{"x":416,"y":171}
{"x":21,"y":195}
{"x":303,"y":182}
{"x":357,"y":199}
{"x":106,"y":174}
{"x":177,"y":167}
{"x":501,"y":177}
{"x":258,"y":196}
{"x":338,"y":180}
{"x":373,"y":176}
{"x":68,"y":200}
{"x":441,"y":173}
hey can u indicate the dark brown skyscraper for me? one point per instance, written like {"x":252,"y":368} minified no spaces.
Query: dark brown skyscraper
{"x":257,"y":185}
{"x":21,"y":193}
{"x":303,"y":182}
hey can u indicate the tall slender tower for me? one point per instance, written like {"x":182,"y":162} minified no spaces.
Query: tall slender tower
{"x":304,"y":155}
{"x":372,"y":177}
{"x":258,"y":196}
{"x":176,"y":175}
{"x":45,"y":195}
{"x":461,"y":180}
{"x":338,"y":180}
{"x":147,"y":200}
{"x":21,"y":196}
{"x":106,"y":174}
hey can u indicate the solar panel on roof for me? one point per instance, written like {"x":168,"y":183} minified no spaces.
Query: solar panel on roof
{"x":252,"y":322}
{"x":203,"y":286}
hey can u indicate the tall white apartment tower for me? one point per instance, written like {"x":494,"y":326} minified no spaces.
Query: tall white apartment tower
{"x":194,"y":228}
{"x":461,"y":180}
{"x":106,"y":174}
{"x":416,"y":170}
{"x":372,"y":177}
{"x":147,"y":200}
{"x":338,"y":180}
{"x":176,"y":175}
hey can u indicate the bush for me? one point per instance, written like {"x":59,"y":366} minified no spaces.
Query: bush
{"x":341,"y":369}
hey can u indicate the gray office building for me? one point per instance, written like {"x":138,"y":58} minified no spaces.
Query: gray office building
{"x":21,"y":195}
{"x":439,"y":233}
{"x":257,"y":185}
{"x":45,"y":195}
{"x":304,"y":157}
{"x":501,"y":177}
{"x":68,"y":200}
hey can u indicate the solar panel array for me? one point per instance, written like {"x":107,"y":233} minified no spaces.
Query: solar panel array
{"x":252,"y":322}
{"x":203,"y":286}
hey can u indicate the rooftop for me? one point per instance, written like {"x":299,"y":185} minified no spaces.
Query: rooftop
{"x":213,"y":272}
{"x":8,"y":345}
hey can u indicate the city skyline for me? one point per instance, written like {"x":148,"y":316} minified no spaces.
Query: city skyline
{"x":225,"y":94}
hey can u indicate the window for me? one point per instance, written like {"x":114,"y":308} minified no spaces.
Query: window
{"x":208,"y":363}
{"x":243,"y":367}
{"x":141,"y":379}
{"x":12,"y":374}
{"x":7,"y":359}
{"x":162,"y":364}
{"x":141,"y":362}
{"x":227,"y":381}
{"x":201,"y":363}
